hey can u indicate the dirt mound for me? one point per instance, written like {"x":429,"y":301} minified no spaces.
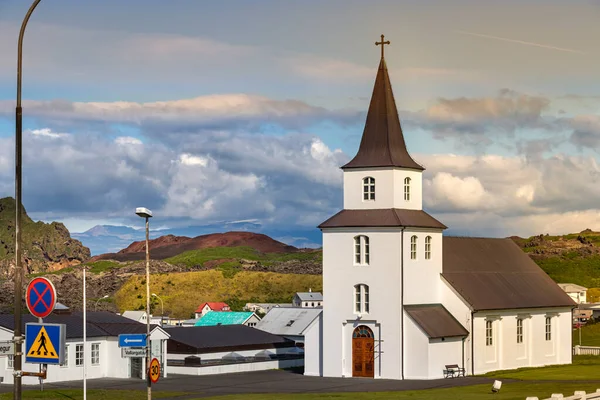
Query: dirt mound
{"x":170,"y":246}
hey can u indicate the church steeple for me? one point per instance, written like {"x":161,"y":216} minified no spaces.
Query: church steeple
{"x":382,"y":143}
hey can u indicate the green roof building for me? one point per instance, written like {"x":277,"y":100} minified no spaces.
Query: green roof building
{"x":215,"y":318}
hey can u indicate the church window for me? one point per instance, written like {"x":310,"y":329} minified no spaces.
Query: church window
{"x":413,"y":248}
{"x":361,"y":250}
{"x":361,"y":299}
{"x":369,"y":188}
{"x":488,"y":333}
{"x":548,"y":328}
{"x":407,"y":188}
{"x":520,"y":330}
{"x":428,"y":248}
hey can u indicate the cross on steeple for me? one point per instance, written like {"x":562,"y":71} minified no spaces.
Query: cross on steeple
{"x":382,"y":43}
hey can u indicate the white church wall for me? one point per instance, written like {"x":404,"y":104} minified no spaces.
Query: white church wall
{"x":535,"y":351}
{"x":422,"y":276}
{"x":313,"y":351}
{"x":340,"y":275}
{"x":444,"y":352}
{"x":415,"y":201}
{"x":389,"y":189}
{"x":460,"y":310}
{"x":416,"y":345}
{"x":353,"y":188}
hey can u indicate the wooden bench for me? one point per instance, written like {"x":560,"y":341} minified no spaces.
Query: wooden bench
{"x":453,"y":371}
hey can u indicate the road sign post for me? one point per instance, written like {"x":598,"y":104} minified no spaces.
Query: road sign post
{"x":154,"y":370}
{"x":132,"y":340}
{"x":41,"y":297}
{"x":45,"y":343}
{"x":7,"y":348}
{"x":133,"y":352}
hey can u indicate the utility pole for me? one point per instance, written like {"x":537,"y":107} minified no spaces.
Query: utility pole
{"x":18,"y":338}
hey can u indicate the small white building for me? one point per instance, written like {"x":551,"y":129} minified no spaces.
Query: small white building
{"x":290,"y":322}
{"x":264,"y":307}
{"x":403,"y":300}
{"x":101,"y":351}
{"x":208,"y":350}
{"x":576,"y":292}
{"x":308,"y":299}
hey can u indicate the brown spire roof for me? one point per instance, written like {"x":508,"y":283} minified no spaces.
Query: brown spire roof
{"x":382,"y":143}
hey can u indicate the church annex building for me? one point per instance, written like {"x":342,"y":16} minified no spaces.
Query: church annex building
{"x":403,"y":301}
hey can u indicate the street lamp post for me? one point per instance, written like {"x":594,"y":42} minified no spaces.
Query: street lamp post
{"x":96,"y":305}
{"x":147,"y":214}
{"x":18,"y":339}
{"x":162,"y":308}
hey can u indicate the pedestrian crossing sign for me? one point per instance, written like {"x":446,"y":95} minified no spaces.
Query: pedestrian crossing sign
{"x":44,"y":343}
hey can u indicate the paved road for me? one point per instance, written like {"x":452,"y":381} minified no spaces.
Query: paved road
{"x":273,"y":381}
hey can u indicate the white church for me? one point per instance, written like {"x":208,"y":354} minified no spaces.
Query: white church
{"x":403,"y":301}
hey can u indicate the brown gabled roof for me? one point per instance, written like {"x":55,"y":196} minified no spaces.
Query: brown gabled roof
{"x":492,"y":274}
{"x":388,"y":217}
{"x":382,"y":143}
{"x":435,"y":320}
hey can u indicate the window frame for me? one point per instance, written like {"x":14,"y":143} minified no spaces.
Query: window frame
{"x":548,"y":329}
{"x":368,"y":188}
{"x":65,"y":363}
{"x":407,"y":181}
{"x":489,"y":333}
{"x":95,"y":352}
{"x":79,"y":355}
{"x":428,"y":247}
{"x":362,"y":250}
{"x":10,"y":361}
{"x":413,"y":247}
{"x":519,"y":330}
{"x":361,"y":299}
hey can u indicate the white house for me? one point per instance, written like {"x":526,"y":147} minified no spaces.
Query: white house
{"x":404,"y":301}
{"x":208,"y":350}
{"x":101,"y":350}
{"x":140,"y":316}
{"x":210,"y":306}
{"x":308,"y":299}
{"x":576,"y":292}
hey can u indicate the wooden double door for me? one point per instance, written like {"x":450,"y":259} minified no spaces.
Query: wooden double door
{"x":363,"y":352}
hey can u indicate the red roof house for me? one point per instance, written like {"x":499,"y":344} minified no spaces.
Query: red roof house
{"x":211,"y":306}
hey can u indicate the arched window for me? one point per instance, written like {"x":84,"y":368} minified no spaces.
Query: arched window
{"x":361,"y":250}
{"x":407,"y":188}
{"x":361,"y":299}
{"x":520,"y":330}
{"x":362,"y":332}
{"x":413,"y":248}
{"x":548,"y":328}
{"x":369,"y":188}
{"x":428,"y":248}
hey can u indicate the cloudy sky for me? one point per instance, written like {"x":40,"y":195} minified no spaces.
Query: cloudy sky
{"x":244,"y":110}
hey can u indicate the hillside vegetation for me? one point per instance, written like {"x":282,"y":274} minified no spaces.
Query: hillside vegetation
{"x":183,"y":292}
{"x":572,"y":258}
{"x":46,"y":247}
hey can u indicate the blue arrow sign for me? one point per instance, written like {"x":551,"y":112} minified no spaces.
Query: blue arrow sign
{"x":45,"y":343}
{"x":132,"y":340}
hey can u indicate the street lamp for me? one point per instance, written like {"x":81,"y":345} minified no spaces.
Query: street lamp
{"x":147,"y":214}
{"x":96,"y":305}
{"x":18,"y":339}
{"x":162,"y":309}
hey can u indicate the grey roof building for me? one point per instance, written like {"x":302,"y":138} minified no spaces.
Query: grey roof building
{"x":289,"y":322}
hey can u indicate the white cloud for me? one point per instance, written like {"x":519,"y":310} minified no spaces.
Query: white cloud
{"x":46,"y":132}
{"x":127,"y":140}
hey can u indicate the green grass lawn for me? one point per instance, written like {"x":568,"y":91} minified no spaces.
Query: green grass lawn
{"x":509,"y":391}
{"x":583,"y":368}
{"x":590,"y":335}
{"x":96,"y":394}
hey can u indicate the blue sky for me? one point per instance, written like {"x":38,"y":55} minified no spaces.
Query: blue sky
{"x":213,"y":111}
